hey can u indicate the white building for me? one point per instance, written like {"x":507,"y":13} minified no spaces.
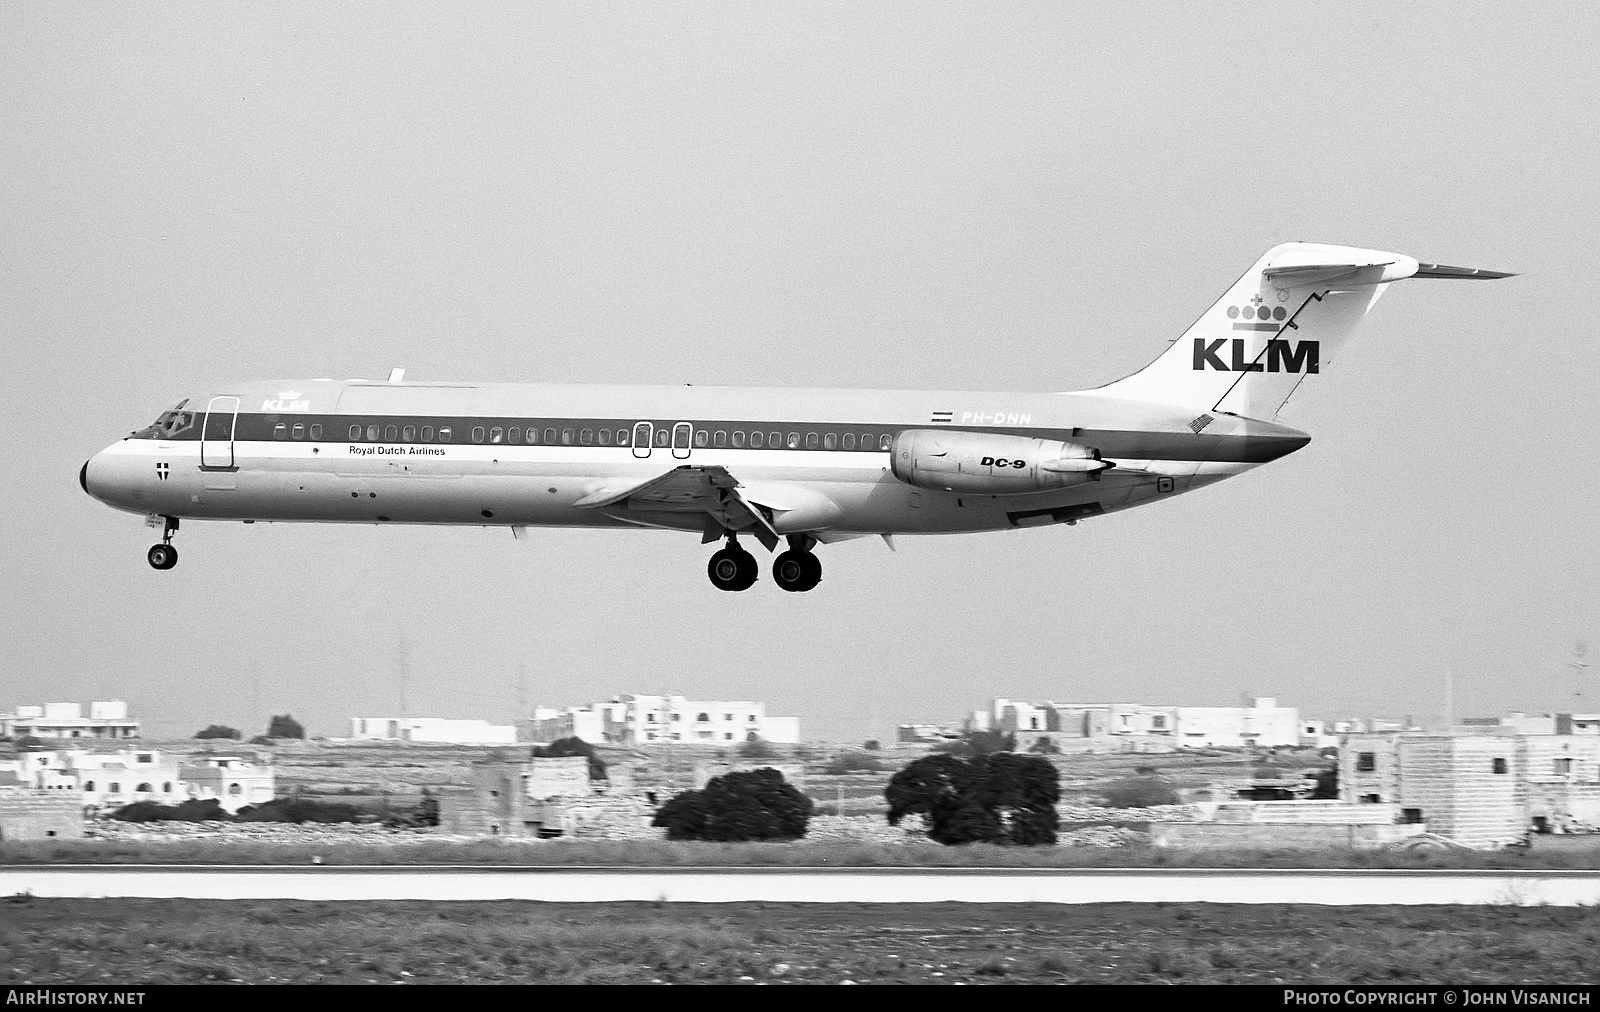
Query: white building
{"x":107,"y":719}
{"x":232,"y":781}
{"x":1263,"y":724}
{"x":121,"y":778}
{"x":435,"y":730}
{"x":641,"y":720}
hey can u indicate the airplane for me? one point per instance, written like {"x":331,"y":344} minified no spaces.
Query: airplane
{"x":785,"y":467}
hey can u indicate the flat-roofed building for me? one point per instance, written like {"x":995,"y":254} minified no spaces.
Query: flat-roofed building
{"x":646,"y":719}
{"x":106,"y":719}
{"x":432,"y":730}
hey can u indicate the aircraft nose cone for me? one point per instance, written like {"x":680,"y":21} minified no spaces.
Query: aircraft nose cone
{"x":83,"y":477}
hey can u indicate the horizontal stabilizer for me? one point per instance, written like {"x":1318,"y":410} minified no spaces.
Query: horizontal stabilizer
{"x":1446,"y":271}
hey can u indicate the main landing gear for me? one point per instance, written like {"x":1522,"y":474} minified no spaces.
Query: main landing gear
{"x":164,"y":556}
{"x":796,"y":570}
{"x":733,"y":568}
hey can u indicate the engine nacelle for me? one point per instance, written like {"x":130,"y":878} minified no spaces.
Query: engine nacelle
{"x":985,"y":464}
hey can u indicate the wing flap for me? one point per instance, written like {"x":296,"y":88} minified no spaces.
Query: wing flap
{"x":689,"y":488}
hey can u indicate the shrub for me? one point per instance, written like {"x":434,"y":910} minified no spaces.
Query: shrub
{"x":285,"y":726}
{"x":758,"y":748}
{"x":852,"y":762}
{"x":752,"y":805}
{"x":301,"y":810}
{"x":1327,"y":788}
{"x":1142,"y":792}
{"x":219,"y":731}
{"x":997,"y":798}
{"x":1044,"y":746}
{"x":575,"y":746}
{"x":193,"y":810}
{"x":872,"y":745}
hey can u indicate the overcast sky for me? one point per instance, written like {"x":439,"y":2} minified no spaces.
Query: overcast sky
{"x":1025,"y":196}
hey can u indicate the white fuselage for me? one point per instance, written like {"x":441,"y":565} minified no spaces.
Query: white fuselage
{"x":358,"y":452}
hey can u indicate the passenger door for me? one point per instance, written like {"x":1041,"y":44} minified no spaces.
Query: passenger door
{"x":216,"y":434}
{"x":643,"y":433}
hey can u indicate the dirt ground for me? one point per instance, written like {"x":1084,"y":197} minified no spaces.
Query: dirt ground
{"x":184,"y":941}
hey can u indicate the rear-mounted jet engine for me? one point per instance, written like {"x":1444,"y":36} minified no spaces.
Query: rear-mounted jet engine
{"x":985,"y":464}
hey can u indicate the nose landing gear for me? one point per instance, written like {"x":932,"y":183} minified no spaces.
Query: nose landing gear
{"x":733,"y":568}
{"x":164,"y":556}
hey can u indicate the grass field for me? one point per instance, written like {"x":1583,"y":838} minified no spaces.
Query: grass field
{"x":184,"y":941}
{"x":663,"y":853}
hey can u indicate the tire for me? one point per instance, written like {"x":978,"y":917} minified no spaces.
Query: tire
{"x":790,"y":571}
{"x":732,"y":569}
{"x":162,"y":557}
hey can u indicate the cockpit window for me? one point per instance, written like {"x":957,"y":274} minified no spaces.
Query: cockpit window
{"x":171,"y":425}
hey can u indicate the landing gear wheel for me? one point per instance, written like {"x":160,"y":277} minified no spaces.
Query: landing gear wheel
{"x":797,"y":571}
{"x":162,"y":556}
{"x":732,"y":569}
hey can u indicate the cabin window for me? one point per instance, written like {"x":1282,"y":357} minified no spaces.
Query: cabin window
{"x":298,"y":432}
{"x":849,"y":440}
{"x":355,"y":432}
{"x":738,"y":439}
{"x":866,"y":440}
{"x":372,"y":433}
{"x":513,"y":434}
{"x":391,"y":432}
{"x":720,"y":438}
{"x":497,"y":434}
{"x":622,"y":437}
{"x":775,"y":440}
{"x":566,"y":437}
{"x":794,"y":440}
{"x":533,"y":435}
{"x":605,"y":437}
{"x":280,"y":431}
{"x":885,"y":441}
{"x":586,"y":437}
{"x":444,"y":433}
{"x":757,"y":439}
{"x":550,"y":435}
{"x":811,"y":441}
{"x":477,"y":433}
{"x":830,"y":441}
{"x":661,"y":436}
{"x":700,"y":437}
{"x":408,"y":434}
{"x":316,"y":430}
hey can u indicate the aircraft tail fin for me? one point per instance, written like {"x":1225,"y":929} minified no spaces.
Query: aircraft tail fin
{"x":1285,"y":320}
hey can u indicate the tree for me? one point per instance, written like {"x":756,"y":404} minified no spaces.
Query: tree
{"x":1044,"y":746}
{"x":285,"y":726}
{"x":750,"y":805}
{"x":1000,"y":797}
{"x":219,"y":731}
{"x":872,"y":745}
{"x":575,"y":746}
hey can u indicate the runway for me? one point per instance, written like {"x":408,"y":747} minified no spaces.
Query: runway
{"x":807,"y":885}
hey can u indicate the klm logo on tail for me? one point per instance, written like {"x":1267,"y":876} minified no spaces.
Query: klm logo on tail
{"x":1282,"y":356}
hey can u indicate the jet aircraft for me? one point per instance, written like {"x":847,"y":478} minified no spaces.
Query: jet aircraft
{"x":790,"y":468}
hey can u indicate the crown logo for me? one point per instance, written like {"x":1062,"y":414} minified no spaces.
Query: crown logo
{"x":1255,"y":311}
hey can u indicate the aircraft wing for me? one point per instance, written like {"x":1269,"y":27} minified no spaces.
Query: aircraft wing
{"x":690,"y":488}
